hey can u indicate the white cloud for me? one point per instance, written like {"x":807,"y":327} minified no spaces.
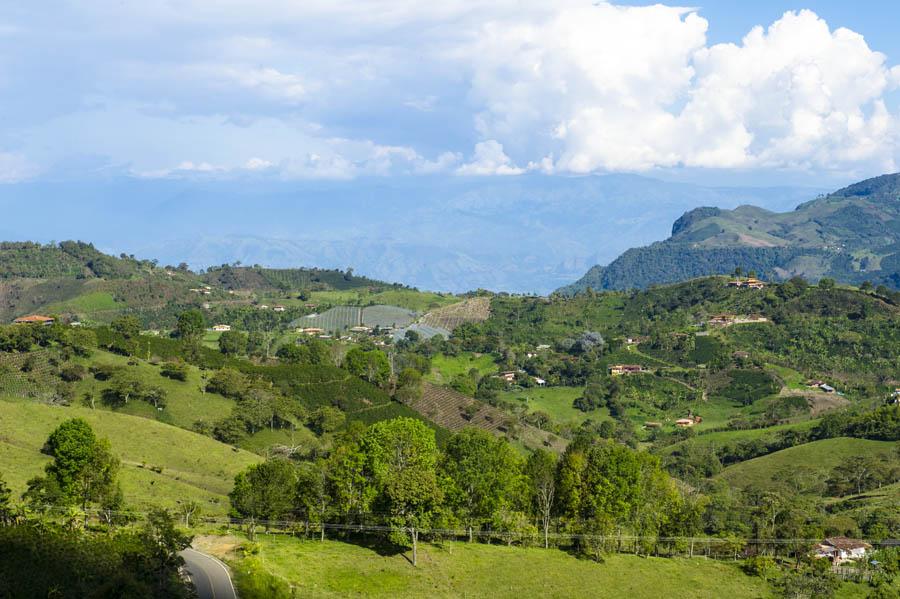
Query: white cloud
{"x":324,"y":88}
{"x":15,"y":168}
{"x":490,"y":159}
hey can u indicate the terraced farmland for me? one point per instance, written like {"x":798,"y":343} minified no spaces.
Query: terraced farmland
{"x":474,"y":309}
{"x":387,"y":316}
{"x":455,"y":411}
{"x":26,"y":375}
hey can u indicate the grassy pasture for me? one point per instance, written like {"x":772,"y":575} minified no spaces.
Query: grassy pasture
{"x":556,"y":402}
{"x":819,"y":455}
{"x":161,"y":464}
{"x":336,"y":569}
{"x":444,"y":368}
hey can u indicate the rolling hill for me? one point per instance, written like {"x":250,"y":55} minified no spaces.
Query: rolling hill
{"x":852,"y":235}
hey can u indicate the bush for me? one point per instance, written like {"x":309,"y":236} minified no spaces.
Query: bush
{"x":175,"y":370}
{"x":72,"y":373}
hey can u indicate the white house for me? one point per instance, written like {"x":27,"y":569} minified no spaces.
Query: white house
{"x":222,"y":328}
{"x":841,"y":549}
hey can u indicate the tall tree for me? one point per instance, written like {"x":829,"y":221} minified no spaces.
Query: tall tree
{"x":541,"y":471}
{"x":483,"y":474}
{"x":83,"y":469}
{"x":401,"y":458}
{"x":191,"y":325}
{"x":265,"y":491}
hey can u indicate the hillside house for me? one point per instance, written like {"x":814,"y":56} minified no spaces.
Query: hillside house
{"x":625,"y":369}
{"x":748,"y":283}
{"x":34,"y":319}
{"x":278,"y":308}
{"x":684,"y":422}
{"x":841,"y":549}
{"x":221,"y":328}
{"x":895,"y":396}
{"x":721,"y":320}
{"x":509,"y":376}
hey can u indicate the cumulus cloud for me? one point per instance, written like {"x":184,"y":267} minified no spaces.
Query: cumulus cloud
{"x":325,"y":88}
{"x":489,"y":159}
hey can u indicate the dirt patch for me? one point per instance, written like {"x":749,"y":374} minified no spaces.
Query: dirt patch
{"x":818,"y":402}
{"x":220,"y":546}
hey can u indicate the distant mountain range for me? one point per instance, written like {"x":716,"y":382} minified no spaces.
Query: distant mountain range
{"x":852,"y":235}
{"x":530,"y":233}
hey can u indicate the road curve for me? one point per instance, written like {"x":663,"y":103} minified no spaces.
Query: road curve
{"x":209,"y":575}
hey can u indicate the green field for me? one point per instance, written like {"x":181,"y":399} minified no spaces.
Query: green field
{"x":85,"y":304}
{"x":555,"y":401}
{"x":161,"y":464}
{"x":444,"y":368}
{"x":456,"y":569}
{"x":186,"y":400}
{"x":818,"y":455}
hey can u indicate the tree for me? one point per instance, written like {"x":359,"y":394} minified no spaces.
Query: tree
{"x":313,"y":495}
{"x":233,"y":343}
{"x":540,"y":468}
{"x":128,"y":327}
{"x":483,"y":474}
{"x":826,"y":283}
{"x":326,"y":419}
{"x":6,"y":509}
{"x":165,"y":542}
{"x":401,"y":459}
{"x":265,"y":491}
{"x":191,"y":325}
{"x":371,"y":366}
{"x":176,"y":370}
{"x":409,"y":386}
{"x":83,"y":469}
{"x":290,"y":353}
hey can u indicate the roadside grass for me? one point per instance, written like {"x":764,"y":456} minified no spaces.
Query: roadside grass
{"x":454,"y":569}
{"x":161,"y":464}
{"x":821,"y":456}
{"x":444,"y":368}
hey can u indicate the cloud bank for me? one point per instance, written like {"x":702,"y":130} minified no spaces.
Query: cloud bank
{"x":339,"y":89}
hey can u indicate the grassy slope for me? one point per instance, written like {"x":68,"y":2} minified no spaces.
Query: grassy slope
{"x":193,"y":466}
{"x":334,"y":569}
{"x":556,"y":402}
{"x":418,"y":301}
{"x":444,"y":368}
{"x":819,"y":455}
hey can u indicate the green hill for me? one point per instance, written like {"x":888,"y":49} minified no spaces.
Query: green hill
{"x":161,"y":464}
{"x":851,"y":235}
{"x":820,"y":456}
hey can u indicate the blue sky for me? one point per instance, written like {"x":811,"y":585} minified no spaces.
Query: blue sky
{"x":726,"y":92}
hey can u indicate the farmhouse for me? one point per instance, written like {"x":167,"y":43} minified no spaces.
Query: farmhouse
{"x":748,"y":283}
{"x":279,"y":309}
{"x":509,"y":376}
{"x":222,"y":328}
{"x":684,"y":422}
{"x":623,"y":369}
{"x":721,"y":320}
{"x":311,"y":330}
{"x":34,"y":319}
{"x":841,"y":549}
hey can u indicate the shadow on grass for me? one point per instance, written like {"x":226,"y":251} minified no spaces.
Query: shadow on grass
{"x":379,"y":544}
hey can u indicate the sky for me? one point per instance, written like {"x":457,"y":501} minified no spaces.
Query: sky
{"x":728,"y":92}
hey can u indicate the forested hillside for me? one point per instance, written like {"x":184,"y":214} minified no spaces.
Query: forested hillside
{"x":852,"y":235}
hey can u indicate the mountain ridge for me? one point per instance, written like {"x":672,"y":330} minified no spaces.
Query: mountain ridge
{"x":851,"y":235}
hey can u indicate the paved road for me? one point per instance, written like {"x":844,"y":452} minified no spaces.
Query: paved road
{"x":209,"y":575}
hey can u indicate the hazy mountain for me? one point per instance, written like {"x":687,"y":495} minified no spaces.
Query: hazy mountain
{"x":528,"y":234}
{"x":852,"y":235}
